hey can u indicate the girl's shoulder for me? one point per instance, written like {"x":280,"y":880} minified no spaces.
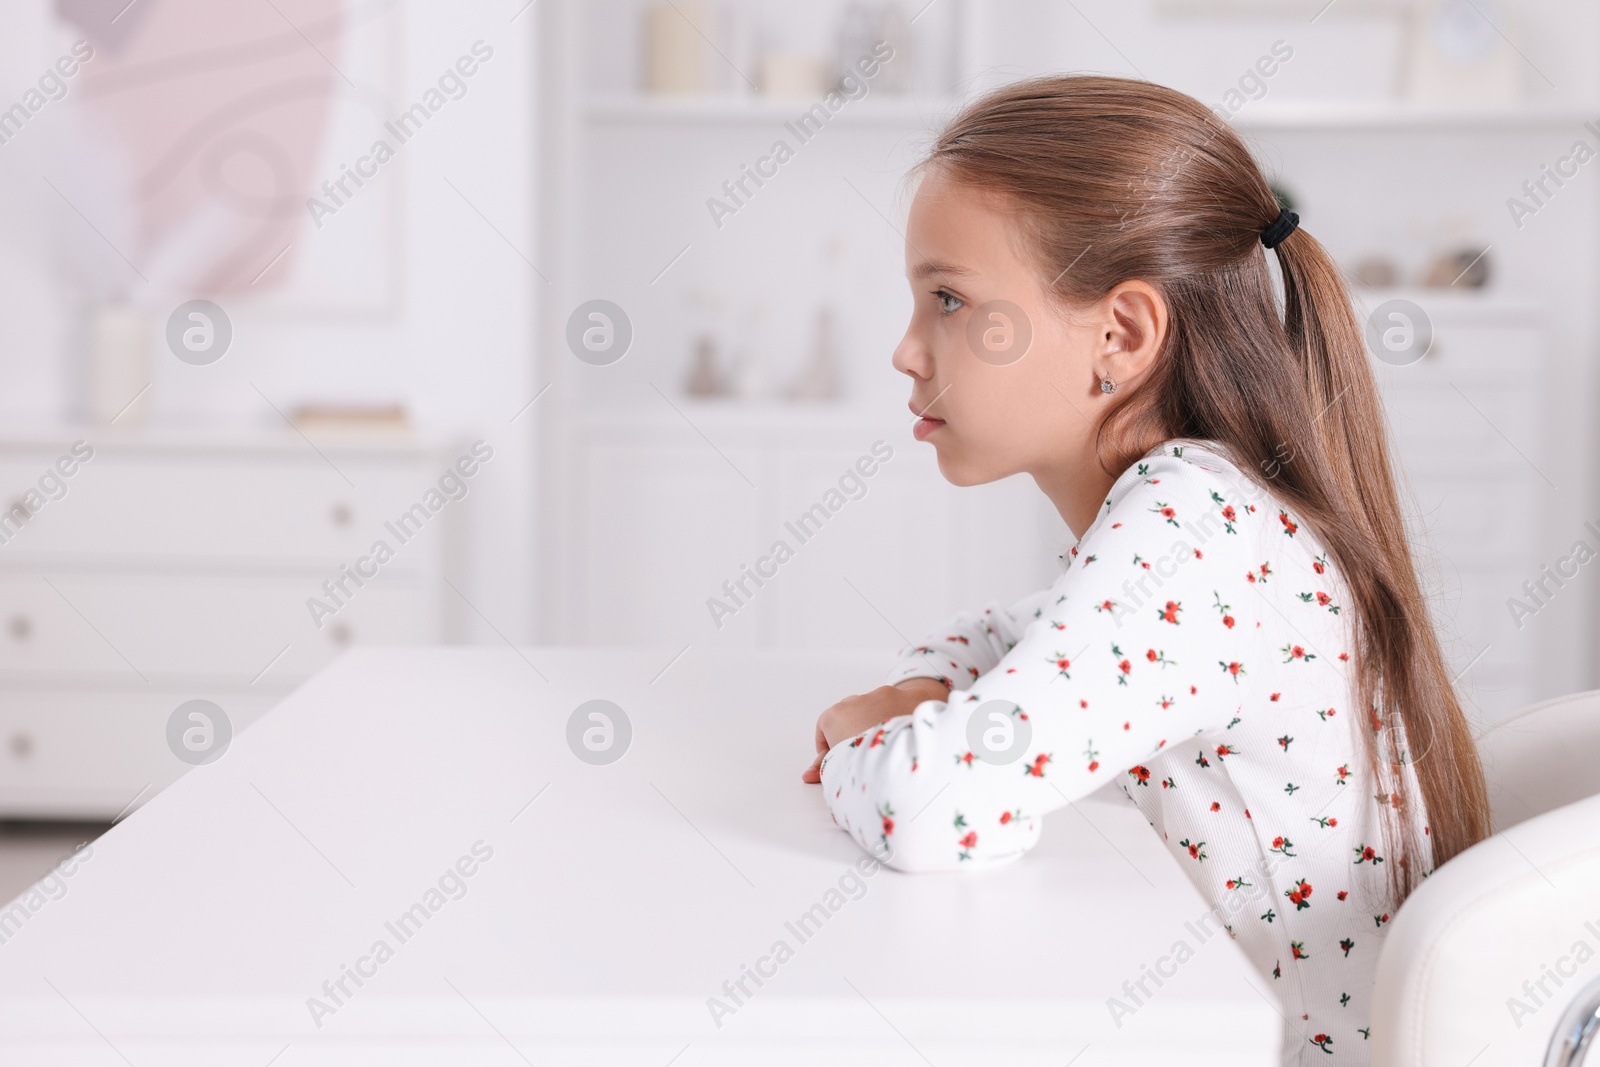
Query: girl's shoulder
{"x":1198,"y":489}
{"x":1194,"y":470}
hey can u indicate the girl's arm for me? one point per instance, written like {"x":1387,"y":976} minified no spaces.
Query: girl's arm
{"x":971,"y":643}
{"x":1147,"y":639}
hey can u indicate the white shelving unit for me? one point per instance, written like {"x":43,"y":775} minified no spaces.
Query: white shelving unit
{"x":1471,"y":431}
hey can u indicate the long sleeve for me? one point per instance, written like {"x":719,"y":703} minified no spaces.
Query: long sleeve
{"x":971,"y":644}
{"x":1146,"y":639}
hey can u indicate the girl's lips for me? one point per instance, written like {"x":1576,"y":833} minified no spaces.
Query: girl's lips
{"x":925,"y":426}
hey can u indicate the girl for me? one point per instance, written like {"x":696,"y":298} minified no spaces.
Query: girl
{"x":1238,"y":638}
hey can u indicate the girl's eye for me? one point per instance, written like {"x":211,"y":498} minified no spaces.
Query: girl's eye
{"x":949,"y":303}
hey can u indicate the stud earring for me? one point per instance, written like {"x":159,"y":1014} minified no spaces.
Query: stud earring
{"x":1107,"y":385}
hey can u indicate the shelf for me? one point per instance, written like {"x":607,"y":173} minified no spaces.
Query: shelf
{"x":737,"y":110}
{"x":734,"y":414}
{"x":1267,"y":115}
{"x":1402,"y":116}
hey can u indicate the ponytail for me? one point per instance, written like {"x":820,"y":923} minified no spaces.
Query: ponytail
{"x":1421,"y":735}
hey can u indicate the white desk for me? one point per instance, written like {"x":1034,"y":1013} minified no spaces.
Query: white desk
{"x":613,"y":906}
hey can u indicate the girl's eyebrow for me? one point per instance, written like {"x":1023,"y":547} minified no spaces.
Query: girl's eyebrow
{"x":927,"y":269}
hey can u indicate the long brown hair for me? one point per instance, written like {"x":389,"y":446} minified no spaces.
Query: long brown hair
{"x":1115,"y":179}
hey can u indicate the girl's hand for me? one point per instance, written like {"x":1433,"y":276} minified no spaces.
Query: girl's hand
{"x":854,"y":714}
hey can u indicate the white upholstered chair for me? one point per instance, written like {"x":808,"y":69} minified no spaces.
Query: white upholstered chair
{"x":1495,"y":958}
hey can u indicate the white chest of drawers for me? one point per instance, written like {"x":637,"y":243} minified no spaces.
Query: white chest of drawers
{"x":178,"y":565}
{"x":1472,"y":437}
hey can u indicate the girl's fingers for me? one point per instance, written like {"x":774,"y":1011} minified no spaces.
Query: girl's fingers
{"x":813,"y":773}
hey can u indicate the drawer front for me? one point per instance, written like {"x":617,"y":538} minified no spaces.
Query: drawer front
{"x":1476,"y":523}
{"x":237,"y":507}
{"x":90,"y":754}
{"x":116,"y":628}
{"x":1476,"y":395}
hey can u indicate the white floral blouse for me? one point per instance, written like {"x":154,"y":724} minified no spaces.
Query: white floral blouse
{"x":1195,"y":651}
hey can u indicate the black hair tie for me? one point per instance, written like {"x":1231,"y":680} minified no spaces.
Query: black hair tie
{"x":1281,"y":227}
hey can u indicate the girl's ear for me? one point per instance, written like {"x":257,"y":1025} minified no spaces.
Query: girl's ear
{"x":1134,"y":325}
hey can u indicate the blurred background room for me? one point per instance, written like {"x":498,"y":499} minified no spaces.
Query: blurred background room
{"x":270,"y":272}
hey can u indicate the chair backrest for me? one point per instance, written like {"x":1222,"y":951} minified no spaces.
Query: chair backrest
{"x":1544,"y":757}
{"x":1485,"y":957}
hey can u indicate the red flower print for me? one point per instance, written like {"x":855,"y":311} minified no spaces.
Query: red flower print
{"x":1092,"y":756}
{"x":1165,"y":511}
{"x":1216,"y":805}
{"x":887,"y":814}
{"x":877,"y":739}
{"x":1320,"y":564}
{"x":1288,"y":526}
{"x":1150,"y":655}
{"x":1299,"y":950}
{"x":1365,"y":854}
{"x":1228,"y":513}
{"x":1344,"y":772}
{"x":1347,"y":944}
{"x":966,"y":758}
{"x":1324,"y":1042}
{"x":1226,"y":750}
{"x":1036,"y":768}
{"x":1343,"y":893}
{"x":1125,"y":666}
{"x":1234,"y":668}
{"x":1282,"y":845}
{"x":1238,"y":883}
{"x":1299,"y":895}
{"x":1197,"y":851}
{"x":1170,"y":612}
{"x":1275,"y":696}
{"x":1141,"y":774}
{"x":969,"y":840}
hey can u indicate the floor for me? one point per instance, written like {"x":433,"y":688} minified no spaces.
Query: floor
{"x":29,"y":849}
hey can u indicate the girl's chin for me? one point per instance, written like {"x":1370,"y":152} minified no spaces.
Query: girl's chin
{"x":956,"y":471}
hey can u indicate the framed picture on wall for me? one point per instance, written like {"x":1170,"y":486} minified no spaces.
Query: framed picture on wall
{"x":211,"y":134}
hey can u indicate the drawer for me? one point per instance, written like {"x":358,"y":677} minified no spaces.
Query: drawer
{"x":1459,"y":403}
{"x":1437,"y":429}
{"x":1477,"y":523}
{"x":200,"y":507}
{"x":1471,"y":354}
{"x":87,"y":754}
{"x":229,"y":627}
